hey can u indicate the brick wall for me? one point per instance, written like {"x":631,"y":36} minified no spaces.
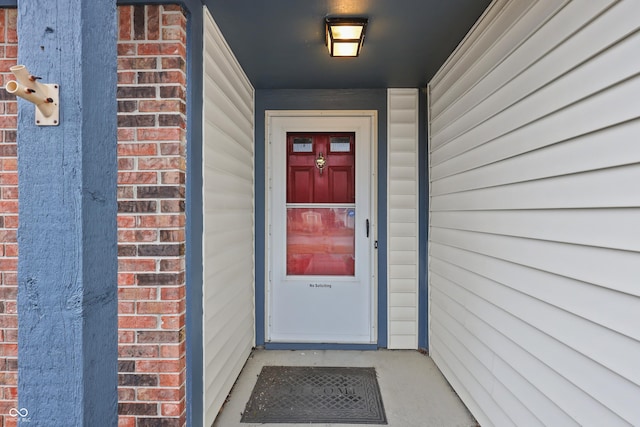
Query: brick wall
{"x":8,"y":221}
{"x":151,"y":218}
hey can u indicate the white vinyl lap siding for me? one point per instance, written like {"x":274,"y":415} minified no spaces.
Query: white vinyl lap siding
{"x":402,"y":142}
{"x":534,"y":242}
{"x":228,"y":197}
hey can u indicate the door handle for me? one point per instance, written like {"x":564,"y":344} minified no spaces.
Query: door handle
{"x":367,"y":226}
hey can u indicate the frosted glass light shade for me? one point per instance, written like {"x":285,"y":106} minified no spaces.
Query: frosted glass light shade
{"x":345,"y":35}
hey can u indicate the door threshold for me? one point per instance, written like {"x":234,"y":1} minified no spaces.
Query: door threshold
{"x":318,"y":346}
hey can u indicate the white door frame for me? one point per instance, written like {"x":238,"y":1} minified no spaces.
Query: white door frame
{"x":344,"y":121}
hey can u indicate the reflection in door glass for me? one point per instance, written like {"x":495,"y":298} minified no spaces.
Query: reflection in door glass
{"x":320,"y":241}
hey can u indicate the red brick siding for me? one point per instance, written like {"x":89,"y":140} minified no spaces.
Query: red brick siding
{"x":151,"y":219}
{"x":8,"y":221}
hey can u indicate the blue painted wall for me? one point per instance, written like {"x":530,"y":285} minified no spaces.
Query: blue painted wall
{"x":195,"y":391}
{"x":67,"y":269}
{"x":321,"y":99}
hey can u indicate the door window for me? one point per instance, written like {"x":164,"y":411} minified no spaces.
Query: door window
{"x":321,"y":204}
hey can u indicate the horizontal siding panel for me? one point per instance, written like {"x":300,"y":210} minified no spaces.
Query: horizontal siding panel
{"x":591,"y":114}
{"x":227,"y":150}
{"x":402,"y":131}
{"x":517,"y":413}
{"x":605,"y":228}
{"x":235,"y":356}
{"x":404,"y":286}
{"x":403,"y":102}
{"x":612,"y":269}
{"x":451,"y":368}
{"x":402,"y":159}
{"x":232,"y":349}
{"x":466,"y":385}
{"x":234,"y":219}
{"x":232,"y":334}
{"x":407,"y":327}
{"x":402,"y":341}
{"x":403,"y":258}
{"x":237,"y":265}
{"x":233,"y":258}
{"x":402,"y":243}
{"x":222,"y":181}
{"x":403,"y":119}
{"x":403,"y":229}
{"x":404,"y":215}
{"x":581,"y":154}
{"x":613,"y":353}
{"x":621,"y":314}
{"x":481,"y":51}
{"x":221,"y":62}
{"x":545,"y":363}
{"x":224,"y":178}
{"x":402,"y":313}
{"x":227,"y":320}
{"x":226,"y":200}
{"x":230,"y":69}
{"x":588,"y":104}
{"x":534,"y":248}
{"x":403,"y":272}
{"x":240,"y":140}
{"x":602,"y":188}
{"x":531,"y":53}
{"x":400,"y":201}
{"x":548,"y":383}
{"x":230,"y":140}
{"x":540,"y":60}
{"x":407,"y":299}
{"x":228,"y":220}
{"x":221,"y":274}
{"x":407,"y":145}
{"x":237,"y":118}
{"x":405,"y":187}
{"x":403,"y":173}
{"x":542,"y":410}
{"x":222,"y":173}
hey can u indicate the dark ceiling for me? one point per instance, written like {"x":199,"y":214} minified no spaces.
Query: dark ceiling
{"x":280,"y":43}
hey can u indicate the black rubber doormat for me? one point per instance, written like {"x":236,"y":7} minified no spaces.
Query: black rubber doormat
{"x":301,"y":394}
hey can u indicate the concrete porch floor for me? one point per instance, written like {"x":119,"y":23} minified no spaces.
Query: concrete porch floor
{"x":414,"y":392}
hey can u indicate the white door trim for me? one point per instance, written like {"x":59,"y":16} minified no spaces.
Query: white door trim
{"x":344,"y":121}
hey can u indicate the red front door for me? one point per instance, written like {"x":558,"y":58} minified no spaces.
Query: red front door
{"x":321,"y":204}
{"x":320,"y":168}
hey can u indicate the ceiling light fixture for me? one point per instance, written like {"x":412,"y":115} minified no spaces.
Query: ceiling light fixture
{"x":345,"y":35}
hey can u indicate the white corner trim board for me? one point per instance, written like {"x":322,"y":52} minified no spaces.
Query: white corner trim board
{"x":402,"y":217}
